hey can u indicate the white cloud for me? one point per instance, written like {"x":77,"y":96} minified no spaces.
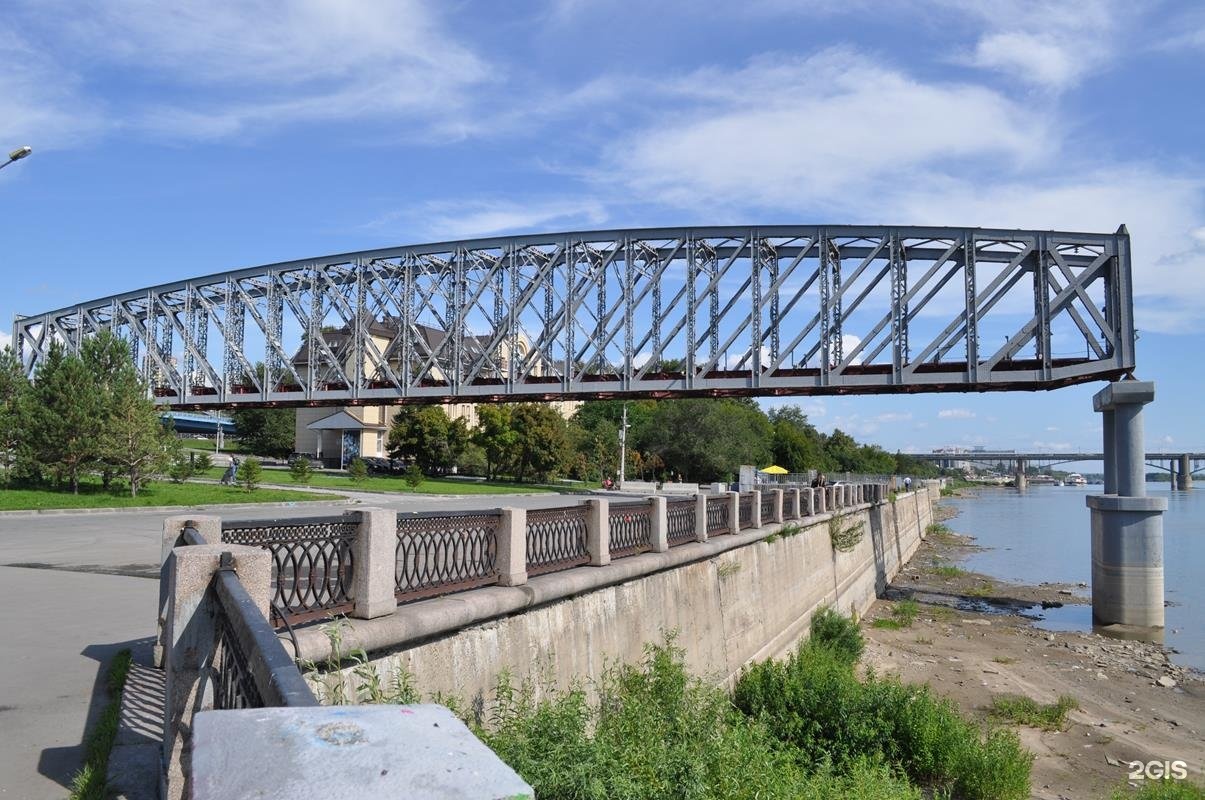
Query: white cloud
{"x":41,"y":102}
{"x":457,"y":220}
{"x":6,"y":339}
{"x":956,"y":413}
{"x":1038,"y":58}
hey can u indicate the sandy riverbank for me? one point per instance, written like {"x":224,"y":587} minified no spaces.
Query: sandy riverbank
{"x":971,"y":643}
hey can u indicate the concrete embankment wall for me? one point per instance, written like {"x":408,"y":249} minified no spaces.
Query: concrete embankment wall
{"x":731,"y":600}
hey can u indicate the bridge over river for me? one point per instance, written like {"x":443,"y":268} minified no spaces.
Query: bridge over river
{"x":1181,"y":466}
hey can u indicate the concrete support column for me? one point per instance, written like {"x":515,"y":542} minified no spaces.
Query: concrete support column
{"x":1020,"y":480}
{"x":1127,"y":526}
{"x":210,"y":530}
{"x":374,"y":554}
{"x":512,"y":547}
{"x":190,"y":638}
{"x":734,"y":512}
{"x":659,"y":524}
{"x":598,"y":532}
{"x":1107,"y":428}
{"x":1184,"y":479}
{"x":701,"y":516}
{"x":777,"y":505}
{"x":755,"y":509}
{"x":796,"y":503}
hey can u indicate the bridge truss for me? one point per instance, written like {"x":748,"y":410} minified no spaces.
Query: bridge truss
{"x":772,"y":310}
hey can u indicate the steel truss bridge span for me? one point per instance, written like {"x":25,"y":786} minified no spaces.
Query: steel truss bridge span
{"x":767,"y":310}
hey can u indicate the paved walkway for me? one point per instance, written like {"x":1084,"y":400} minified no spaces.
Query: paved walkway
{"x":75,"y":589}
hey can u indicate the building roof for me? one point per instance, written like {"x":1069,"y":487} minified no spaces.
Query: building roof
{"x":339,"y":421}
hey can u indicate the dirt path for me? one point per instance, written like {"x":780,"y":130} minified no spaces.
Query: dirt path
{"x":970,"y":643}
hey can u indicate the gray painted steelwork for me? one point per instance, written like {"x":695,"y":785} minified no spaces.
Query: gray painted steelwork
{"x":766,"y":310}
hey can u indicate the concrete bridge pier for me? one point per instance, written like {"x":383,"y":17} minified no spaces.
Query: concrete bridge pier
{"x":1184,"y":479}
{"x":1019,"y":480}
{"x":1127,"y":526}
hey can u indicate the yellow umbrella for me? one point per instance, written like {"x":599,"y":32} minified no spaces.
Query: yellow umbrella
{"x":773,"y":469}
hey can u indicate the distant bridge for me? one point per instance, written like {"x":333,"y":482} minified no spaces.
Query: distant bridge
{"x":670,"y":312}
{"x":1182,"y":466}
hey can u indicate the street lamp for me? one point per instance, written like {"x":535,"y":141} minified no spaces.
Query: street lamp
{"x":17,"y":155}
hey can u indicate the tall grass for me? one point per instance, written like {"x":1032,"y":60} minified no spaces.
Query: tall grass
{"x":90,"y":782}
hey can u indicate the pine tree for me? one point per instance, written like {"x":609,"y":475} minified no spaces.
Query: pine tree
{"x":13,"y":389}
{"x":133,"y":438}
{"x":64,"y":417}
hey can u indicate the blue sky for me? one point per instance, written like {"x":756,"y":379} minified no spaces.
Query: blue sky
{"x":178,"y":139}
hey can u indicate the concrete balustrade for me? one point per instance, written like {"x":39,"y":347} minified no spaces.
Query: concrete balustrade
{"x":374,"y":553}
{"x":658,"y":524}
{"x":778,"y":493}
{"x":796,"y":502}
{"x":700,"y":517}
{"x":598,"y":532}
{"x":512,"y":547}
{"x":734,"y":512}
{"x":755,"y":509}
{"x":209,"y":529}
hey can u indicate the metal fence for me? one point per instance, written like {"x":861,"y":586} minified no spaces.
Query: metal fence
{"x":312,"y":562}
{"x":631,"y":528}
{"x":680,"y":521}
{"x":745,"y":507}
{"x":718,"y":521}
{"x":767,"y":506}
{"x":251,"y":667}
{"x":556,"y":539}
{"x":437,"y":553}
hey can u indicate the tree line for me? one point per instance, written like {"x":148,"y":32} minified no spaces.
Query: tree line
{"x":696,"y":440}
{"x":82,"y":415}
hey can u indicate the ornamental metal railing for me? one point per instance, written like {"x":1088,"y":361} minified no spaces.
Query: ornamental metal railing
{"x":312,"y":562}
{"x":745,"y":509}
{"x":438,"y":553}
{"x":631,"y":528}
{"x":680,"y":521}
{"x":556,"y":539}
{"x":767,"y":506}
{"x":250,"y":666}
{"x":718,"y":515}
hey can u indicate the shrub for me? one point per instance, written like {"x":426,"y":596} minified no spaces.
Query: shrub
{"x":846,"y":538}
{"x":357,"y":470}
{"x":840,"y":633}
{"x":182,"y":468}
{"x":301,"y":470}
{"x":1027,"y":711}
{"x":250,"y":474}
{"x":414,"y":476}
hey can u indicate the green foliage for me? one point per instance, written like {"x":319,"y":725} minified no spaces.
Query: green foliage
{"x":656,"y":732}
{"x":182,"y":467}
{"x":1167,"y":789}
{"x":816,"y":704}
{"x":707,"y":440}
{"x":14,"y":389}
{"x":496,"y":437}
{"x":902,"y":616}
{"x":949,"y":571}
{"x":202,"y":463}
{"x":89,"y":782}
{"x":266,"y":431}
{"x":1027,"y":711}
{"x":541,"y":442}
{"x":414,"y":476}
{"x":845,"y":537}
{"x":357,"y":470}
{"x":425,"y":436}
{"x":250,"y":474}
{"x":301,"y":470}
{"x":133,"y":440}
{"x":838,"y":633}
{"x":63,"y":420}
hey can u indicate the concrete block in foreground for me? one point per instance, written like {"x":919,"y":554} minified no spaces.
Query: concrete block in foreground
{"x":333,"y":752}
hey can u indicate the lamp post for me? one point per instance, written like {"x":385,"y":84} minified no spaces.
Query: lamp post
{"x":17,"y":155}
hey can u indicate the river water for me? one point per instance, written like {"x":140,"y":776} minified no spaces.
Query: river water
{"x":1043,"y":535}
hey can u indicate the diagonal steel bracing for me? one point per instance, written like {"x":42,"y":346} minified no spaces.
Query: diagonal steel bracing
{"x":769,"y":310}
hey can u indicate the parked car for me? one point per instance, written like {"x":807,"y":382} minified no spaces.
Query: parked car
{"x":382,"y":466}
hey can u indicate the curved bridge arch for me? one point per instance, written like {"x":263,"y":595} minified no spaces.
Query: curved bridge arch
{"x":704,"y":311}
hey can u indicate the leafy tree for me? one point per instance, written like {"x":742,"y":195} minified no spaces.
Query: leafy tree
{"x":64,"y":417}
{"x":425,"y":435}
{"x":797,"y":445}
{"x":496,"y":437}
{"x":266,"y":431}
{"x":13,"y":390}
{"x":706,"y":440}
{"x":357,"y":470}
{"x":541,"y":441}
{"x":301,"y":470}
{"x":250,"y":474}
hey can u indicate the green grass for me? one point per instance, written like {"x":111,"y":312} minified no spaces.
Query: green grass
{"x":1027,"y":711}
{"x":397,"y":483}
{"x":89,"y":782}
{"x":948,"y":571}
{"x":984,"y":589}
{"x":902,"y":616}
{"x":159,"y":493}
{"x":1162,"y":790}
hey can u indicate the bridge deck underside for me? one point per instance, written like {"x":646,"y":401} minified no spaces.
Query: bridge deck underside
{"x":775,"y":310}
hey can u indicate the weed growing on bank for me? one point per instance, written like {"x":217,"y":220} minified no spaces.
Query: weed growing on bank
{"x":1027,"y":711}
{"x":902,"y":616}
{"x":90,"y":782}
{"x":1169,"y":789}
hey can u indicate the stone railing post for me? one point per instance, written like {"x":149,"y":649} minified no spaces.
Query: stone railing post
{"x":658,"y":524}
{"x":210,"y":530}
{"x":374,"y":554}
{"x":778,"y":493}
{"x":512,"y":547}
{"x":598,"y":532}
{"x":820,"y":500}
{"x":849,"y":495}
{"x":734,"y":512}
{"x":797,"y":498}
{"x":755,"y":509}
{"x":701,"y":517}
{"x":190,"y":638}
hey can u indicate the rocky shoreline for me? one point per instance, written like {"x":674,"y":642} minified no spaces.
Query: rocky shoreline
{"x":974,"y":639}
